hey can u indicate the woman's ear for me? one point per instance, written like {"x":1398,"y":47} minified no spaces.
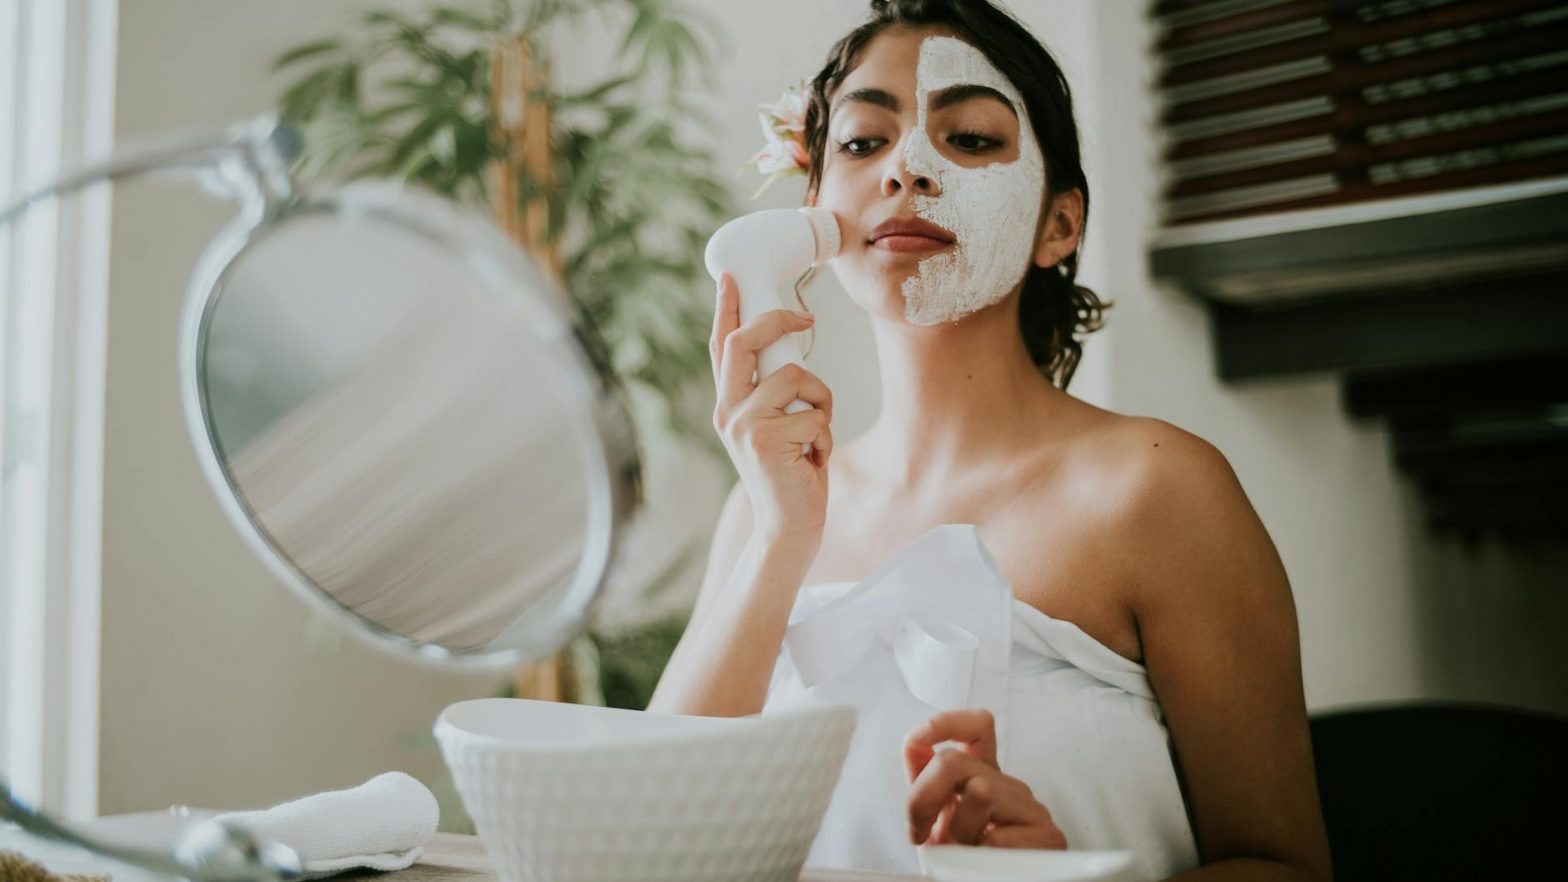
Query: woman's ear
{"x":1060,"y":230}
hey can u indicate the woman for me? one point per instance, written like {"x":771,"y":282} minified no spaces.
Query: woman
{"x":1083,"y":603}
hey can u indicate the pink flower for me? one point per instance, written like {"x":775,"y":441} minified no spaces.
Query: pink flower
{"x":784,"y":136}
{"x":802,"y":158}
{"x":776,"y":156}
{"x":790,"y":109}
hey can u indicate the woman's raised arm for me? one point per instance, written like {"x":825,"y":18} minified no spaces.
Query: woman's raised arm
{"x":771,"y":525}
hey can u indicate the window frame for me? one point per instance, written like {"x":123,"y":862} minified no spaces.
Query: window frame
{"x":59,"y":93}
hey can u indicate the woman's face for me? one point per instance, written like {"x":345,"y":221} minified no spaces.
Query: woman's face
{"x":926,"y":131}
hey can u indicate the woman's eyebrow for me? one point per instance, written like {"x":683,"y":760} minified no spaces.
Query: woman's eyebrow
{"x":940,"y":99}
{"x":870,"y":96}
{"x":965,"y":91}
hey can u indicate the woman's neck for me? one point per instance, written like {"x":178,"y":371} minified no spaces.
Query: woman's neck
{"x":953,"y":395}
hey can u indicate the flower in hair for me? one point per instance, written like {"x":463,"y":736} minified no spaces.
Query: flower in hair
{"x":783,"y":123}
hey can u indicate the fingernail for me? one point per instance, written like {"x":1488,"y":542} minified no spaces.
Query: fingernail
{"x":805,"y":315}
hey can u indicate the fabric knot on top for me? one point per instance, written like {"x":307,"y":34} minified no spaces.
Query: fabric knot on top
{"x":934,"y":606}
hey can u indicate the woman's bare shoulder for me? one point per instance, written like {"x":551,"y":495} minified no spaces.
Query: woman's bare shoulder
{"x":1149,"y":481}
{"x":1145,"y":459}
{"x":1175,"y":496}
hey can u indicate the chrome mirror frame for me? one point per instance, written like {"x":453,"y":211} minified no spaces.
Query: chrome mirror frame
{"x":603,"y":434}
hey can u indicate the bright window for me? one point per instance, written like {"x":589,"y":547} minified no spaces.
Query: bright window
{"x":56,"y":110}
{"x":24,"y":352}
{"x":20,"y":388}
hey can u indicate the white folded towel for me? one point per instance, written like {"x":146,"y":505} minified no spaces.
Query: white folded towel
{"x":381,"y":824}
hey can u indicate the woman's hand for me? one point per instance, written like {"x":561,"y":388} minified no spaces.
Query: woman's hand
{"x":788,"y":490}
{"x":959,"y":795}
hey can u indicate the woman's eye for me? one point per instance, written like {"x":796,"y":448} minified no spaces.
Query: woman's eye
{"x":850,"y":148}
{"x":973,"y":141}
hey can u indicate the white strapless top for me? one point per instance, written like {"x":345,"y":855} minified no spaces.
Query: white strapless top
{"x":935,"y":627}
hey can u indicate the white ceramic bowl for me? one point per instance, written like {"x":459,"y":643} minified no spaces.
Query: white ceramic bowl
{"x":571,"y":793}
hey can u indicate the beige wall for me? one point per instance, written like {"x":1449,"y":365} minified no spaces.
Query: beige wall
{"x":217,"y":691}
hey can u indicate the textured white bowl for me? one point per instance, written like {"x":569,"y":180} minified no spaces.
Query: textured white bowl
{"x":573,"y":793}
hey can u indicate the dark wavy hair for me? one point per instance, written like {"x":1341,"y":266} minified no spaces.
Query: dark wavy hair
{"x":1053,"y":308}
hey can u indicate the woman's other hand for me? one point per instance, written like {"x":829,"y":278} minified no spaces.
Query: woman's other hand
{"x":788,"y":490}
{"x":960,"y":795}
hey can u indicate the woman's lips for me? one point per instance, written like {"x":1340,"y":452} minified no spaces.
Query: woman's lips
{"x":910,"y":235}
{"x":905,"y":242}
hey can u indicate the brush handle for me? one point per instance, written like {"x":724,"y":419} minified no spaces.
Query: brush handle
{"x":765,"y":252}
{"x":785,"y":350}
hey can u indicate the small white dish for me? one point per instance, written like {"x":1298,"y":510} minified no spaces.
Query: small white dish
{"x":970,"y":863}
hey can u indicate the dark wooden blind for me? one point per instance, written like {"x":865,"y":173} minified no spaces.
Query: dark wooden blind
{"x":1275,"y":105}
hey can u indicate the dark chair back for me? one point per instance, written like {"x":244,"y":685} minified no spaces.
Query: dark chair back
{"x":1443,"y":791}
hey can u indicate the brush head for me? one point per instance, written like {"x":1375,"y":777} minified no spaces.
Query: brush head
{"x":824,"y":227}
{"x":770,"y":248}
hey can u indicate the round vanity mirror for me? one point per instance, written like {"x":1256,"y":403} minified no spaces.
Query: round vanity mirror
{"x":396,"y":411}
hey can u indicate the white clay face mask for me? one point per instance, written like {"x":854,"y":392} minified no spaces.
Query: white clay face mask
{"x":992,"y":209}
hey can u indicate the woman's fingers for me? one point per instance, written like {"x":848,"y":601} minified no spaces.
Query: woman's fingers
{"x":786,"y":434}
{"x":822,"y":447}
{"x":940,"y":832}
{"x":1021,"y":836}
{"x":961,"y":798}
{"x":726,"y":318}
{"x":973,"y":728}
{"x":788,"y":383}
{"x":958,"y":794}
{"x":738,"y":352}
{"x":944,"y":777}
{"x":973,"y":812}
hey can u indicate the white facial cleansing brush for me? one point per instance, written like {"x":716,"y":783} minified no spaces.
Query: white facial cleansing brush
{"x":766,"y":252}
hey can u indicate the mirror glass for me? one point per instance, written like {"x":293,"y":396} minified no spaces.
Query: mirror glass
{"x":393,"y":409}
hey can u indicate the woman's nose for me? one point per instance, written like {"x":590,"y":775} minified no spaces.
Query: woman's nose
{"x":901,"y":173}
